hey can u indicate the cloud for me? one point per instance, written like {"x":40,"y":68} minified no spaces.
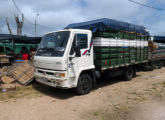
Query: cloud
{"x":110,"y":8}
{"x":56,"y":14}
{"x":158,"y":28}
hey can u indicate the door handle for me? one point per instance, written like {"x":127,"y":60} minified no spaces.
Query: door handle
{"x":88,"y":54}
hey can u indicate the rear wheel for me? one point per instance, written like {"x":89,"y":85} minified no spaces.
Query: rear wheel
{"x":129,"y":73}
{"x":84,"y":85}
{"x":134,"y":74}
{"x":160,"y":64}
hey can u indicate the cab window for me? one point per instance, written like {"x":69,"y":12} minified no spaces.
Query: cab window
{"x":81,"y":41}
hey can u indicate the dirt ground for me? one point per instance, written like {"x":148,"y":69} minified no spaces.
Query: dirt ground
{"x":142,"y":98}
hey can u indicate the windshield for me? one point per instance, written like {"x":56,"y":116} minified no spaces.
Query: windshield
{"x":53,"y":44}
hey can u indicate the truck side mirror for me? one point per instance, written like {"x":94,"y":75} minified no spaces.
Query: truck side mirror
{"x":77,"y":51}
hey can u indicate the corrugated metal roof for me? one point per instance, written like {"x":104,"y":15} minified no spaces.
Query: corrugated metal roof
{"x":20,"y":39}
{"x":159,"y":39}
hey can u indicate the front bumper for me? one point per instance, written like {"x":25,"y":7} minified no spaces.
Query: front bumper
{"x":47,"y":77}
{"x":50,"y":81}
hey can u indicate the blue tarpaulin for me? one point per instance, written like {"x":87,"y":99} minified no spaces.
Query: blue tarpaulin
{"x":106,"y":24}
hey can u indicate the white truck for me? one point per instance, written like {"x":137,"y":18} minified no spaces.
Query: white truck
{"x":63,"y":66}
{"x":65,"y":58}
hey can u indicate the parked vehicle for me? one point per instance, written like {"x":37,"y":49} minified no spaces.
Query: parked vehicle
{"x":76,"y":56}
{"x":158,"y":51}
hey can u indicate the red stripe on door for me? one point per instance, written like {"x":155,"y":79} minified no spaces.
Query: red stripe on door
{"x":85,"y":52}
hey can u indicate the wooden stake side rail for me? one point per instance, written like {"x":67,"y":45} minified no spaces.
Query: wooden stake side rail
{"x":109,"y":57}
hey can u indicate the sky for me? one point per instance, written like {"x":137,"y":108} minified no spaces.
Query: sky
{"x":57,"y":14}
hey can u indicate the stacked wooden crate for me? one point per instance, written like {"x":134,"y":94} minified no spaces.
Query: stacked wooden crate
{"x":17,"y":75}
{"x":6,"y":83}
{"x":23,"y":73}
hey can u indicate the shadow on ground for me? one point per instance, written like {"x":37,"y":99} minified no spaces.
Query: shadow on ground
{"x":107,"y":81}
{"x":69,"y":93}
{"x":53,"y":92}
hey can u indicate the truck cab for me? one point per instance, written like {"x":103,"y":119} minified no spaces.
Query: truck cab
{"x":64,"y":59}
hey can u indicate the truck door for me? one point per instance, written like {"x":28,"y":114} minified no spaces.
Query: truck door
{"x":85,"y":60}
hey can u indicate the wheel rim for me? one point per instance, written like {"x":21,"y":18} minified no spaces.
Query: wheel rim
{"x":85,"y":85}
{"x":130,"y":72}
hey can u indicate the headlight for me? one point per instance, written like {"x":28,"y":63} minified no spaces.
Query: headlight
{"x":59,"y":75}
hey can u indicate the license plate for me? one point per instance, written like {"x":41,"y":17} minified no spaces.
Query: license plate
{"x":44,"y":79}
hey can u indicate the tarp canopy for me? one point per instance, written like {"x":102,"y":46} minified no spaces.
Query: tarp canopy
{"x":159,"y":39}
{"x":106,"y":24}
{"x":20,"y":39}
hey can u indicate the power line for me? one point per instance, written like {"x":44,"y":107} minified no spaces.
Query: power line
{"x":161,"y":9}
{"x":45,"y":26}
{"x":16,"y":7}
{"x":26,"y":18}
{"x":21,"y":12}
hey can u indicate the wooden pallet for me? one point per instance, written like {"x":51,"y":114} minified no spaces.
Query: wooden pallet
{"x":23,"y":73}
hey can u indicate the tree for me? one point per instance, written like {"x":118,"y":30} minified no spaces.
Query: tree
{"x":10,"y":30}
{"x":19,"y":24}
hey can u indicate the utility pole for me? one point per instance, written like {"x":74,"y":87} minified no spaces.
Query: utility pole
{"x":35,"y":24}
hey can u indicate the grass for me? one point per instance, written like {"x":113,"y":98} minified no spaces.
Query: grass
{"x":22,"y":92}
{"x":163,"y":84}
{"x":96,"y":113}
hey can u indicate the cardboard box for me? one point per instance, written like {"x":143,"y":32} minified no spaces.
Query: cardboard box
{"x":4,"y":60}
{"x":8,"y":87}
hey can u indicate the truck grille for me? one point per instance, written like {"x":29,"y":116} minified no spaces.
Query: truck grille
{"x":45,"y":73}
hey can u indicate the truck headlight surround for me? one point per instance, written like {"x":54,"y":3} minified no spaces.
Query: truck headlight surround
{"x":59,"y":75}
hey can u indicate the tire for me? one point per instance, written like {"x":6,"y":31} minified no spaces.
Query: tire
{"x":160,"y":64}
{"x":129,"y":74}
{"x":84,"y":85}
{"x":134,"y":74}
{"x":151,"y":68}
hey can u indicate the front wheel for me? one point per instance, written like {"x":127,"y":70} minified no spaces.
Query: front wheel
{"x":84,"y":85}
